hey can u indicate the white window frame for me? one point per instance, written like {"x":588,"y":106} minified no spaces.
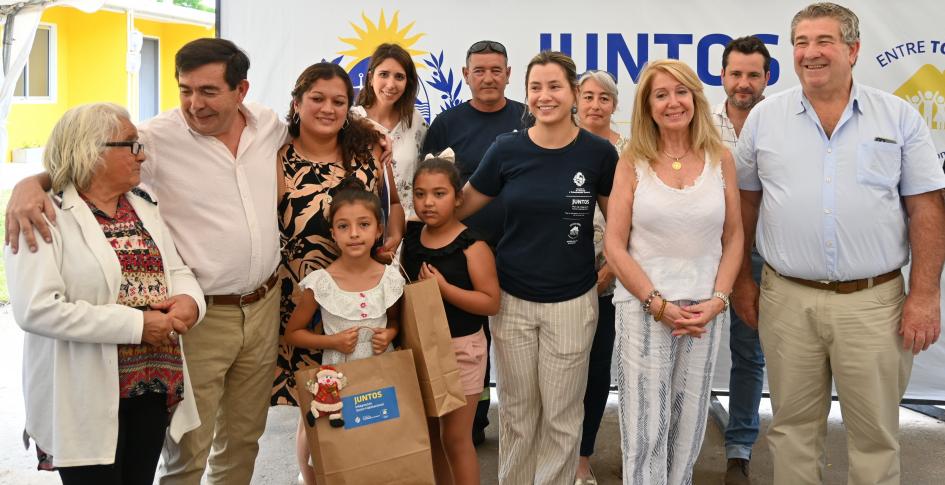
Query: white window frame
{"x":52,"y":69}
{"x":158,"y":39}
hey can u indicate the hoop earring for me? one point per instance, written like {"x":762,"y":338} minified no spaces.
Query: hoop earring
{"x":345,"y":125}
{"x":296,"y":120}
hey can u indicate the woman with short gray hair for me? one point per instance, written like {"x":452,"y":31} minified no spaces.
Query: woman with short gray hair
{"x":596,"y":104}
{"x":102,"y":305}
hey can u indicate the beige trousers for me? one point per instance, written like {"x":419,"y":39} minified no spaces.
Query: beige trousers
{"x":814,"y":337}
{"x":231,"y":356}
{"x":541,"y":357}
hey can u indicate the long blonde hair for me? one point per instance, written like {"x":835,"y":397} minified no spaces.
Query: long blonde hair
{"x":645,"y":134}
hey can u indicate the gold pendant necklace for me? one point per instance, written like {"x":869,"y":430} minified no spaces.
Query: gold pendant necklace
{"x":677,"y":165}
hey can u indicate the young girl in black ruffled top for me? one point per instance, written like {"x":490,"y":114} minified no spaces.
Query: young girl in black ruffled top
{"x":441,"y":247}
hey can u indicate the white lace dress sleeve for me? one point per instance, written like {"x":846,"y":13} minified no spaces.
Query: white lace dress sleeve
{"x":366,"y":310}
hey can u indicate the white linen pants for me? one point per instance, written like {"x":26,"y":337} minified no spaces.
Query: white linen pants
{"x":541,"y":357}
{"x":664,"y":385}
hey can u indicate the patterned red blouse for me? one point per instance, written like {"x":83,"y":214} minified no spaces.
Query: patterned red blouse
{"x":142,"y":368}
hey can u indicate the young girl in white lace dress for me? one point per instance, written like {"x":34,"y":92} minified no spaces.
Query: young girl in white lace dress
{"x":358,"y":296}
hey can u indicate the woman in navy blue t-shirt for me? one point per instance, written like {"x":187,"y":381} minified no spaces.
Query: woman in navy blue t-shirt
{"x":550,"y":177}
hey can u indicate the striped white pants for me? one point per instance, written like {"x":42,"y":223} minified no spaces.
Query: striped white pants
{"x":664,"y":384}
{"x":541,"y":357}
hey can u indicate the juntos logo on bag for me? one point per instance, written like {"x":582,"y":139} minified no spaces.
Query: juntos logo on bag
{"x":370,"y":407}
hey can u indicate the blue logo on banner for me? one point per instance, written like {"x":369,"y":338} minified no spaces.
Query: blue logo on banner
{"x":439,"y":90}
{"x":370,"y":407}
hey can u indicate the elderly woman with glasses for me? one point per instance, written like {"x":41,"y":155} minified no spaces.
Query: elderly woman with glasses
{"x":103,"y":307}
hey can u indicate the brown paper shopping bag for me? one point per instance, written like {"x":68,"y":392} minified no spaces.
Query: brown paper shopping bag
{"x":383,"y":438}
{"x":424,"y":329}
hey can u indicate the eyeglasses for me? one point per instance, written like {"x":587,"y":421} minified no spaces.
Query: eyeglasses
{"x":486,"y":46}
{"x":133,"y":145}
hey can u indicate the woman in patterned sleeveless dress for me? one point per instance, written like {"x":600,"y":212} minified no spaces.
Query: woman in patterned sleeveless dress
{"x":326,"y":147}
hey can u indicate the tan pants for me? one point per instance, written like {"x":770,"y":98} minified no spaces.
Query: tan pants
{"x":811,"y":337}
{"x":541,"y":357}
{"x":231,"y":356}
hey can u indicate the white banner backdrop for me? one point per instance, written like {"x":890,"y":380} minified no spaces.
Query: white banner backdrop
{"x":903,"y":52}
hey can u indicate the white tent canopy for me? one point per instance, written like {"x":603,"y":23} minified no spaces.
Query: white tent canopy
{"x":24,"y":15}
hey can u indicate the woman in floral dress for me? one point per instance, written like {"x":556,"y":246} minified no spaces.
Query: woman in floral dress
{"x":326,"y":147}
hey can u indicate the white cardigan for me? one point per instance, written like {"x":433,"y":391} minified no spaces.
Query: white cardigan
{"x":63,"y":296}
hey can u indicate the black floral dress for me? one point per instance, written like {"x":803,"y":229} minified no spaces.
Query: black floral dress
{"x":306,"y":246}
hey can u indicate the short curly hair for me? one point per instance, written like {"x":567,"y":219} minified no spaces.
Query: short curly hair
{"x":849,"y":22}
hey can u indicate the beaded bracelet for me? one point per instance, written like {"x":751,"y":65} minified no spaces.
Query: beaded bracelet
{"x":649,"y":300}
{"x":659,"y":314}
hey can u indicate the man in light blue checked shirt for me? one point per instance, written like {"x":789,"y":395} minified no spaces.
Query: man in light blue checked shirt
{"x":842,"y":181}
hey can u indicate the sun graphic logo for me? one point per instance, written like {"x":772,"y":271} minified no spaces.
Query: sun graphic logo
{"x":926,"y":91}
{"x":445,"y":87}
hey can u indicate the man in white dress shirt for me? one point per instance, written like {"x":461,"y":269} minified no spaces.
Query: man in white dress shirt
{"x":211,"y":164}
{"x":842,"y":180}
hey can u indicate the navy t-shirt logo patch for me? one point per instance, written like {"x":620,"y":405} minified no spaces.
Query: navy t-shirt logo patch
{"x":579,"y":179}
{"x":574,"y":232}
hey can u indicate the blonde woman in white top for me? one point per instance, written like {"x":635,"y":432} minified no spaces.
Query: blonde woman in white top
{"x":676,"y":188}
{"x":387,"y":98}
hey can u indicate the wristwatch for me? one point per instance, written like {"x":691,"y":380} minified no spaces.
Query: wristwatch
{"x":723,"y":297}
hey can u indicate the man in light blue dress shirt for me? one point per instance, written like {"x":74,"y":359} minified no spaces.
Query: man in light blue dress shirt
{"x":842,"y":181}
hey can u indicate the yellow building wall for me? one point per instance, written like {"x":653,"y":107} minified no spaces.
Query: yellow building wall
{"x":171,"y":37}
{"x":90,"y":67}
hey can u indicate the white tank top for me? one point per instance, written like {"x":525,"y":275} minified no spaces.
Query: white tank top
{"x":676,"y":234}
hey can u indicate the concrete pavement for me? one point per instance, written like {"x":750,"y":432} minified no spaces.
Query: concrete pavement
{"x":923,"y":440}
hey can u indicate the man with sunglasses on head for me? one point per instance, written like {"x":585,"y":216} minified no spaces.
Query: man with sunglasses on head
{"x":469,"y":129}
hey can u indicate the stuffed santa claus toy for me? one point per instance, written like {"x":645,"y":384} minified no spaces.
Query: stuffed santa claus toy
{"x":326,"y":389}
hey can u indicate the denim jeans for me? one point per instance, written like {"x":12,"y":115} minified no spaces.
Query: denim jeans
{"x":745,"y":381}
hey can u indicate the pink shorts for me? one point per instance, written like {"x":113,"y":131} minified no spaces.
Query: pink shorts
{"x":471,"y":357}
